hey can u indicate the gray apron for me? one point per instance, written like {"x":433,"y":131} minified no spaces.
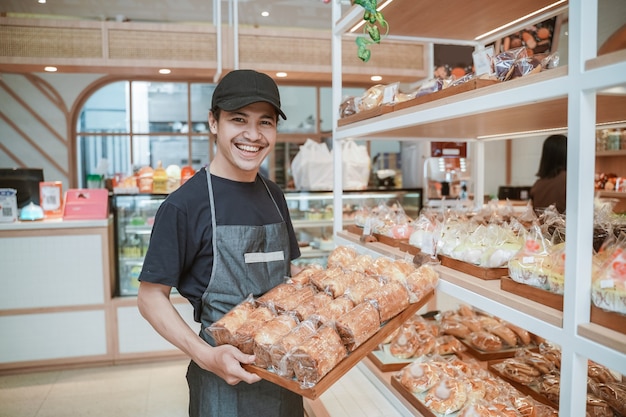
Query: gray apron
{"x":248,"y":260}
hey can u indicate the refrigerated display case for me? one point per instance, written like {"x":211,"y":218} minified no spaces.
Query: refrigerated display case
{"x":134,"y":217}
{"x":311,"y":213}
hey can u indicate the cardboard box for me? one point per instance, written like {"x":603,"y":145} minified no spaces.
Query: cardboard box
{"x":86,"y":204}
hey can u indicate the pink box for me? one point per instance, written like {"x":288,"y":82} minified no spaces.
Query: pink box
{"x":86,"y":204}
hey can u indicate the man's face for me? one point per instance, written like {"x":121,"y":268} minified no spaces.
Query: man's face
{"x":244,"y":138}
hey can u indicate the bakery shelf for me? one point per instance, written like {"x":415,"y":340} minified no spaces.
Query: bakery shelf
{"x":609,"y":154}
{"x":604,"y":345}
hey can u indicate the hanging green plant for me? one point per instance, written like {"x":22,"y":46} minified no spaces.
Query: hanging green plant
{"x":375,"y":28}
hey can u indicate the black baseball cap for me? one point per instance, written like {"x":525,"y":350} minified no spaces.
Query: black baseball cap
{"x":242,"y":87}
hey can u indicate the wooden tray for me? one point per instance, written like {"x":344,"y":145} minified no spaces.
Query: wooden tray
{"x":357,"y":230}
{"x":406,"y":247}
{"x":386,"y":362}
{"x":390,"y":241}
{"x":525,"y":389}
{"x":447,"y":92}
{"x":473,"y":270}
{"x":363,"y":115}
{"x":345,"y":365}
{"x":482,"y":355}
{"x":609,"y":319}
{"x":411,"y":398}
{"x":538,"y":295}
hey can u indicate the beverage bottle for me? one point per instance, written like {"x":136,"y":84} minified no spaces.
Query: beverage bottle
{"x":159,"y":180}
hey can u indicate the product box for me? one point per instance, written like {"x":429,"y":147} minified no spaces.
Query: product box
{"x":8,"y":205}
{"x":86,"y":204}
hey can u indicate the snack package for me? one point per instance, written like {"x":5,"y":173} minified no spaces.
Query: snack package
{"x":608,"y":288}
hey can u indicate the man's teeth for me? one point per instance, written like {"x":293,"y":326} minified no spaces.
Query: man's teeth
{"x":248,"y":148}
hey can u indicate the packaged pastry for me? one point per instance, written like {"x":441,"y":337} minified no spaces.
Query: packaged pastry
{"x":280,"y":291}
{"x":372,"y":98}
{"x":223,"y":330}
{"x":390,"y":300}
{"x":317,"y":355}
{"x":447,"y":345}
{"x":295,"y":337}
{"x":533,"y":263}
{"x":419,"y":377}
{"x":399,"y":270}
{"x":597,"y":407}
{"x":312,"y":305}
{"x":361,"y":264}
{"x":614,"y":393}
{"x":268,"y":334}
{"x":608,"y":289}
{"x":447,"y":396}
{"x":405,"y":342}
{"x":291,"y":301}
{"x":421,"y":281}
{"x":337,"y":284}
{"x":357,"y":291}
{"x":485,"y":341}
{"x":244,"y":335}
{"x":358,"y":325}
{"x":304,"y":276}
{"x":341,"y":256}
{"x":333,"y":310}
{"x":518,"y":371}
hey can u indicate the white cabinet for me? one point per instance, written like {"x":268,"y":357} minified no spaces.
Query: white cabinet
{"x":571,"y":98}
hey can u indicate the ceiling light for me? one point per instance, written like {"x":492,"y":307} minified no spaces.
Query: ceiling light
{"x":265,"y":14}
{"x":521,"y":19}
{"x":281,"y":74}
{"x":376,"y":78}
{"x":41,"y":1}
{"x":50,"y":69}
{"x":165,"y":71}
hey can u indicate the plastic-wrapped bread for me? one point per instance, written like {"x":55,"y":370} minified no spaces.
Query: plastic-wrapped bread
{"x":295,"y":337}
{"x":304,"y":276}
{"x":357,"y":291}
{"x":268,"y":335}
{"x":333,"y":310}
{"x":391,"y":299}
{"x":223,"y":330}
{"x":405,"y":343}
{"x":280,"y":291}
{"x":317,"y":279}
{"x":341,"y":256}
{"x":316,"y":303}
{"x":361,"y":264}
{"x":317,"y":356}
{"x":295,"y":299}
{"x":379,"y":265}
{"x":337,"y":284}
{"x":399,"y":270}
{"x":244,"y":335}
{"x":421,"y":281}
{"x":358,"y":325}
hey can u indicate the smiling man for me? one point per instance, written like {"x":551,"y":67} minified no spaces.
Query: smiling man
{"x":224,"y":235}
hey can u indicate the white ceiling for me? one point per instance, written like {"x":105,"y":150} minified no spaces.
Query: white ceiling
{"x":311,"y":14}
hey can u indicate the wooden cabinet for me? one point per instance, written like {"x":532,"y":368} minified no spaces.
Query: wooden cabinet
{"x":573,"y":98}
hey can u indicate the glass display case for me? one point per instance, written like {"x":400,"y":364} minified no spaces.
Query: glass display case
{"x":311,"y":213}
{"x":134,"y":217}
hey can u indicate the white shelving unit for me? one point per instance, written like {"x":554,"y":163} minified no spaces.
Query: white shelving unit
{"x":569,"y":97}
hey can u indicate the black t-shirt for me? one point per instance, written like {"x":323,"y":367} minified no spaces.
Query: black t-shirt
{"x":180,"y":253}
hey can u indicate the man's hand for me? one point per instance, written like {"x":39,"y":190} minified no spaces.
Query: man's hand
{"x":225,"y":361}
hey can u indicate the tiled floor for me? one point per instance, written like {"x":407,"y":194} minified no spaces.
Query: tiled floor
{"x":139,"y":390}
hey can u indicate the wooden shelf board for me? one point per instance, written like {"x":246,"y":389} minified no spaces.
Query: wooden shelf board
{"x":602,"y":335}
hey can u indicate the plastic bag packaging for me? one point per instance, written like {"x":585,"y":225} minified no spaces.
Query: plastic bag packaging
{"x":295,"y":337}
{"x":268,"y":334}
{"x":356,"y":165}
{"x":312,"y":167}
{"x":223,"y":330}
{"x":358,"y":325}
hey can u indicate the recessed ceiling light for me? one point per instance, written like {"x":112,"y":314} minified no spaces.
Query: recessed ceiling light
{"x":265,"y":14}
{"x":376,"y":78}
{"x":165,"y":71}
{"x":41,"y":1}
{"x":50,"y":69}
{"x":281,"y":74}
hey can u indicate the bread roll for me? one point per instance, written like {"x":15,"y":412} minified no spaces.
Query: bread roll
{"x":455,"y":328}
{"x":295,"y":337}
{"x":506,"y":334}
{"x":399,"y":270}
{"x":317,"y":356}
{"x":223,"y":330}
{"x":485,"y":341}
{"x":358,"y":325}
{"x":269,"y":334}
{"x":361,"y":263}
{"x":390,"y":300}
{"x":318,"y":278}
{"x":378,"y":266}
{"x":405,"y":342}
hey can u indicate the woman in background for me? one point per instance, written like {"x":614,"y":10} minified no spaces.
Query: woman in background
{"x":550,"y":188}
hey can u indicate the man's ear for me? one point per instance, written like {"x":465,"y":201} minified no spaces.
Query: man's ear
{"x":212,"y":123}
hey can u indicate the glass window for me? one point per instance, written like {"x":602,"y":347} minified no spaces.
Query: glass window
{"x":106,"y":111}
{"x":158,"y":107}
{"x":300,"y":106}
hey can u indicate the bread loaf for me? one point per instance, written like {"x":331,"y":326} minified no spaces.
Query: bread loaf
{"x":280,"y":291}
{"x":244,"y":335}
{"x":295,"y":337}
{"x":291,"y":301}
{"x":317,"y":356}
{"x":333,"y":310}
{"x":390,"y":300}
{"x":223,"y":330}
{"x":268,"y":335}
{"x":357,"y":291}
{"x":358,"y":325}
